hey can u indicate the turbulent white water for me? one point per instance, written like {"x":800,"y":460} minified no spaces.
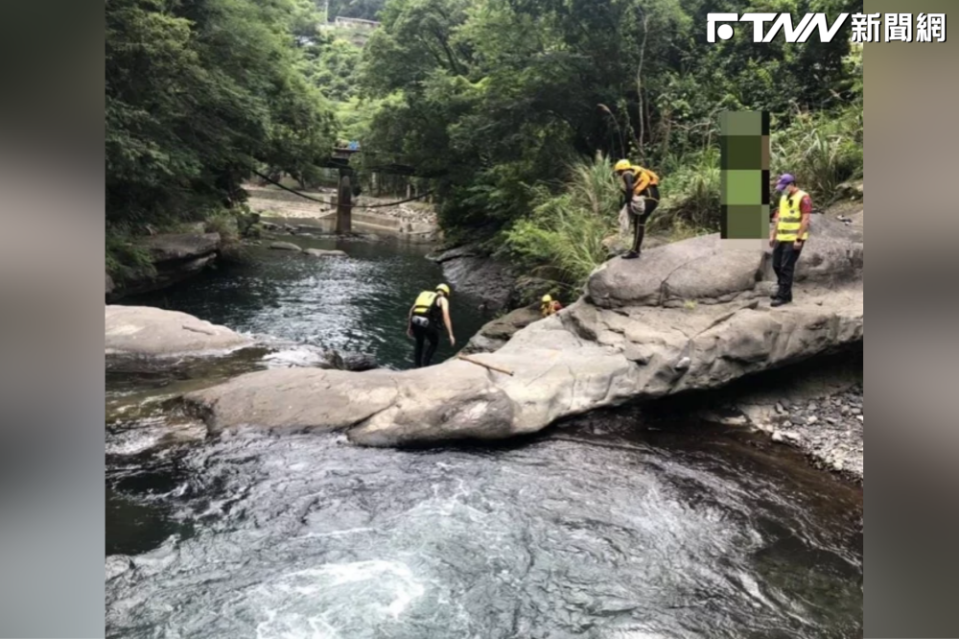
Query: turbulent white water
{"x":604,"y":536}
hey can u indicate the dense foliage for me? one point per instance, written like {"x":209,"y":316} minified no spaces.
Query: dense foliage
{"x":519,"y":105}
{"x":514,"y":97}
{"x":198,"y":93}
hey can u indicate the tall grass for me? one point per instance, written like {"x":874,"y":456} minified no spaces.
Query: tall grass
{"x":125,"y":261}
{"x":691,"y":195}
{"x":822,"y":152}
{"x":562,"y":239}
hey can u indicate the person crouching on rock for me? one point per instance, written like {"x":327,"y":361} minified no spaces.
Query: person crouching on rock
{"x":788,"y":234}
{"x":423,"y":323}
{"x":548,"y":306}
{"x":640,"y":188}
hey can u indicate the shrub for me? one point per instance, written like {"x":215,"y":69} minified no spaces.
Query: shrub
{"x":125,"y":261}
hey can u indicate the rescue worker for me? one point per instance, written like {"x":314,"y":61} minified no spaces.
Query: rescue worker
{"x":548,"y":306}
{"x":640,"y":198}
{"x":429,"y":312}
{"x":788,"y":234}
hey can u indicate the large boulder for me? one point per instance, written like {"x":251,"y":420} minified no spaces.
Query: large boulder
{"x":151,"y":332}
{"x":295,"y":398}
{"x":471,"y":270}
{"x":175,"y":257}
{"x":386,"y":407}
{"x":567,"y":364}
{"x":626,"y":340}
{"x":709,"y":270}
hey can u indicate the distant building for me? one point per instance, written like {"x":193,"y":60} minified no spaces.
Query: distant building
{"x":340,"y":21}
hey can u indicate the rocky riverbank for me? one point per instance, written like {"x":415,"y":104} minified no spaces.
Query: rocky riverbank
{"x":175,"y":257}
{"x":816,"y":407}
{"x":287,"y":212}
{"x":829,"y":429}
{"x":688,"y":316}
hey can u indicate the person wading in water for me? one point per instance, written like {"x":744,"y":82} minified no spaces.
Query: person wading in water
{"x":430,"y":309}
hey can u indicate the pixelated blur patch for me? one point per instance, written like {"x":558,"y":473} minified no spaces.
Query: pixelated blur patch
{"x":745,"y":222}
{"x":742,"y":152}
{"x":744,"y":182}
{"x":742,"y":187}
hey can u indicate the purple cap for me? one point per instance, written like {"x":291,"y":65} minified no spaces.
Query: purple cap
{"x":784,"y":180}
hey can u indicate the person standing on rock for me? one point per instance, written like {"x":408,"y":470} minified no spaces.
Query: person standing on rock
{"x":788,"y":234}
{"x":423,"y":324}
{"x":640,"y":198}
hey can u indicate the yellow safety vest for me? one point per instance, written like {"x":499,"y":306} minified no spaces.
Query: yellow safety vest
{"x":424,"y":303}
{"x":638,"y":174}
{"x":790,"y":218}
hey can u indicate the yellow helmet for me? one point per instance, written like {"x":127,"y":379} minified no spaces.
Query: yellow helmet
{"x":444,"y":289}
{"x":621,"y":165}
{"x":547,"y":299}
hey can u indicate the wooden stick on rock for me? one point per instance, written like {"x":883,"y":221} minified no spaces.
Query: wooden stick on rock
{"x":489,"y":366}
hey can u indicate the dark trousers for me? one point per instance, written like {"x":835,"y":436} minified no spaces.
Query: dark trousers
{"x":428,"y":336}
{"x":785,"y":256}
{"x":651,"y":199}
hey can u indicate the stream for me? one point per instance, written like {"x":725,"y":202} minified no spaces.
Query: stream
{"x":613,"y":525}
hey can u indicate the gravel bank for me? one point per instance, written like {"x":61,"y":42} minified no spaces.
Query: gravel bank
{"x":828,"y":429}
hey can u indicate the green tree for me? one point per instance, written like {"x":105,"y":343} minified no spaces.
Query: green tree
{"x":198,"y":93}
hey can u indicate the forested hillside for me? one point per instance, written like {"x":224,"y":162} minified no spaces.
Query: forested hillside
{"x":520,"y":105}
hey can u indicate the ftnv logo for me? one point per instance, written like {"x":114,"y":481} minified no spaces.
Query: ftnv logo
{"x":780,"y":22}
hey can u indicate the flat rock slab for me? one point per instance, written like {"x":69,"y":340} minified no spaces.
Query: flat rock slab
{"x":685,"y":317}
{"x":149,"y":331}
{"x":296,"y":398}
{"x":701,"y":267}
{"x":180,"y":246}
{"x":325,"y":253}
{"x":583,"y":359}
{"x":709,"y":270}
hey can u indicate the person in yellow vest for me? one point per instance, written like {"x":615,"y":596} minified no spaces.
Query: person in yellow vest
{"x":548,"y":306}
{"x":640,"y":188}
{"x":788,"y":234}
{"x":430,"y":311}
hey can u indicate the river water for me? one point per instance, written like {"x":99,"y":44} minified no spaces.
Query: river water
{"x":612,"y":525}
{"x":357,"y":304}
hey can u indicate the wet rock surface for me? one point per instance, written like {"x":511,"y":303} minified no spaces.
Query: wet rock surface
{"x":146,"y":331}
{"x":688,"y":316}
{"x":498,"y":332}
{"x":469,"y":269}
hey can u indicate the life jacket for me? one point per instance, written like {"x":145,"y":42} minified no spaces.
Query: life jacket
{"x":641,"y":176}
{"x":426,"y":305}
{"x":550,"y":308}
{"x":790,"y":217}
